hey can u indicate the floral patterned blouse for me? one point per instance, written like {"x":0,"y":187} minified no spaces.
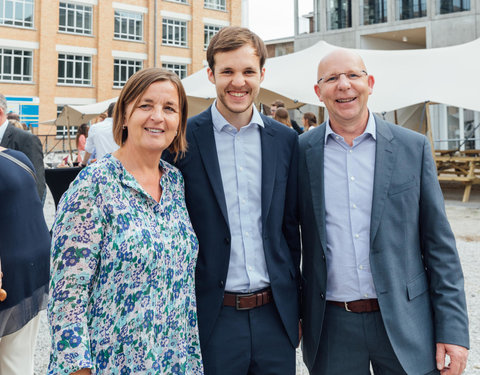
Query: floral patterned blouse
{"x":122,"y":295}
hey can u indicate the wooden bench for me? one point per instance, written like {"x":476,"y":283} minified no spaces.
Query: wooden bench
{"x":460,"y":166}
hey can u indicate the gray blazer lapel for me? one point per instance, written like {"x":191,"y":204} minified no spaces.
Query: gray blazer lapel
{"x":384,"y":162}
{"x":208,"y":152}
{"x":314,"y":156}
{"x":269,"y":168}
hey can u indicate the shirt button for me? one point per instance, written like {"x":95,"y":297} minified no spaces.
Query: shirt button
{"x":241,"y":169}
{"x":322,"y":296}
{"x":360,"y":267}
{"x":366,"y":295}
{"x":350,"y":151}
{"x":221,"y":283}
{"x":357,"y":235}
{"x":247,"y":234}
{"x":250,"y":268}
{"x":354,"y":205}
{"x":243,"y":201}
{"x":337,"y":137}
{"x":352,"y":178}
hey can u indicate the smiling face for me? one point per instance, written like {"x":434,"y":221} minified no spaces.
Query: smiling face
{"x":237,"y":76}
{"x":152,"y":122}
{"x":346,"y":99}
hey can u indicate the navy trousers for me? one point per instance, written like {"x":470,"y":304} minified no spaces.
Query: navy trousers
{"x":249,"y":342}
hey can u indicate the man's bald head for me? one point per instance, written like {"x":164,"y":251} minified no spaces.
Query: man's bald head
{"x":328,"y":63}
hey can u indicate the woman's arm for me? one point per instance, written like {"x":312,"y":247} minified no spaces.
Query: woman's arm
{"x":77,"y":233}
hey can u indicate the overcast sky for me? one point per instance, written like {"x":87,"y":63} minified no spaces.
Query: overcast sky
{"x":272,"y":19}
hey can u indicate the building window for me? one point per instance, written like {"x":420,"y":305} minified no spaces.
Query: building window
{"x":339,"y":14}
{"x":215,"y":4}
{"x":407,"y":9}
{"x":75,"y":18}
{"x":174,"y":32}
{"x":123,"y":69}
{"x":452,"y":6}
{"x":374,"y":11}
{"x":16,"y":13}
{"x":74,"y":69}
{"x":128,"y":25}
{"x":178,"y":1}
{"x":209,"y":31}
{"x":179,"y":69}
{"x":16,"y":65}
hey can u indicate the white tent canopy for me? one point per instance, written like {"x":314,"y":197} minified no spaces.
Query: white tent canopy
{"x":402,"y":77}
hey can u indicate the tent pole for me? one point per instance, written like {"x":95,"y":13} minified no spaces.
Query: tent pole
{"x":428,"y":127}
{"x":68,"y":137}
{"x":396,"y":117}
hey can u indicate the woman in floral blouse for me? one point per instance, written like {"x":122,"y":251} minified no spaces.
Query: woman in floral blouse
{"x":122,"y":296}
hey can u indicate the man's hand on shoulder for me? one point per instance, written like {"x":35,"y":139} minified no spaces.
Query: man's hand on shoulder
{"x":458,"y":358}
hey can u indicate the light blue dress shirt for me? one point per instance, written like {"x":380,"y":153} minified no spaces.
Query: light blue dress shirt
{"x":349,"y":174}
{"x":3,"y":127}
{"x":240,"y":158}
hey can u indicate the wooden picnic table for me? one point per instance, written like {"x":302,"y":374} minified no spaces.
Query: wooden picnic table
{"x":460,"y":166}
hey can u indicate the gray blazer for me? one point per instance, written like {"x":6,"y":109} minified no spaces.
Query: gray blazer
{"x":414,"y":262}
{"x":30,"y":145}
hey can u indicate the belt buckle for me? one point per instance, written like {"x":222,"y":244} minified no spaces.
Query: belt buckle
{"x":346,"y":307}
{"x":237,"y":301}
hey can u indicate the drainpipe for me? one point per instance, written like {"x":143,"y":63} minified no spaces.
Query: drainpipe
{"x":155,"y":35}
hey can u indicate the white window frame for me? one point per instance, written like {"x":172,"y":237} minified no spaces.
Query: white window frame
{"x":130,"y":66}
{"x":215,"y":4}
{"x":180,"y":69}
{"x":178,"y":1}
{"x":208,"y":32}
{"x":174,"y":27}
{"x":85,"y":62}
{"x":128,"y":16}
{"x":17,"y":60}
{"x":79,"y":14}
{"x":15,"y":20}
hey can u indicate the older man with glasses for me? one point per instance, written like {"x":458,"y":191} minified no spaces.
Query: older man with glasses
{"x":382,"y":280}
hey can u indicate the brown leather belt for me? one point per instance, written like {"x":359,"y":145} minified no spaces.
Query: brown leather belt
{"x":248,"y":301}
{"x":360,"y":306}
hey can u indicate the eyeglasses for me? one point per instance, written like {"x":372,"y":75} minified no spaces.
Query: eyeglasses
{"x":351,"y":76}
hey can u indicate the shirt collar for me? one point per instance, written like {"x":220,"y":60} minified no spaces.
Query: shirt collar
{"x":3,"y":128}
{"x":219,"y":121}
{"x":371,"y":128}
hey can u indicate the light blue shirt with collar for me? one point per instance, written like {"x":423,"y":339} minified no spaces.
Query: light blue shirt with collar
{"x":348,"y":181}
{"x":240,"y":159}
{"x":3,"y":128}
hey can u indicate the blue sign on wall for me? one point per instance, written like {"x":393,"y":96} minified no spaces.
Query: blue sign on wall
{"x":26,"y":107}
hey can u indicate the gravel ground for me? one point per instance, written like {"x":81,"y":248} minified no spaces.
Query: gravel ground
{"x":464,"y":218}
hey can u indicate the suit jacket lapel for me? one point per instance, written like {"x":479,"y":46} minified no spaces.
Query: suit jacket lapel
{"x":314,"y":158}
{"x":269,"y":167}
{"x":208,"y":151}
{"x":384,"y":163}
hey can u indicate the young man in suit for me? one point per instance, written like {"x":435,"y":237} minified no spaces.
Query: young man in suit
{"x":26,"y":142}
{"x":383,"y":284}
{"x":240,"y":187}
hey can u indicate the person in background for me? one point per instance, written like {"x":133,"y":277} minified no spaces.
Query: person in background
{"x":281,"y":115}
{"x":24,"y":262}
{"x":24,"y":141}
{"x":280,"y":104}
{"x":383,"y":284}
{"x":80,"y":140}
{"x":100,"y":138}
{"x":122,"y":297}
{"x":309,"y":121}
{"x":240,"y":186}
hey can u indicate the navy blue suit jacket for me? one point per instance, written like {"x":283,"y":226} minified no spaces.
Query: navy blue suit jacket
{"x":208,"y":212}
{"x":414,"y":262}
